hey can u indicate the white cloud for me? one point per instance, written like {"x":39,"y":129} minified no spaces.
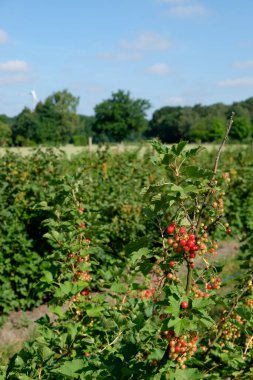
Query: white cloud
{"x":147,"y":40}
{"x":188,"y":10}
{"x":175,"y":100}
{"x":3,"y":36}
{"x":14,"y":79}
{"x":173,"y":2}
{"x":237,"y":82}
{"x":244,"y":64}
{"x":159,"y":69}
{"x":88,"y":87}
{"x":14,"y":66}
{"x":184,"y":8}
{"x":120,"y":57}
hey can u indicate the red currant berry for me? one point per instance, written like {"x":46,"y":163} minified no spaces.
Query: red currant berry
{"x":191,"y":243}
{"x":171,"y":228}
{"x":182,"y":242}
{"x":85,"y":292}
{"x":184,"y":305}
{"x":182,"y":230}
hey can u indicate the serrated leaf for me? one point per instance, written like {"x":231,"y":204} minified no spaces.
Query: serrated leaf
{"x":139,"y":254}
{"x":180,"y":190}
{"x":47,"y":276}
{"x":159,"y":147}
{"x":70,"y":368}
{"x":194,"y":151}
{"x":44,"y":353}
{"x":118,"y":288}
{"x":173,"y":307}
{"x":66,"y":287}
{"x":207,"y":322}
{"x":181,"y":326}
{"x":94,"y":311}
{"x":178,"y":148}
{"x":156,"y":354}
{"x":57,"y":310}
{"x":187,"y":374}
{"x":201,"y":303}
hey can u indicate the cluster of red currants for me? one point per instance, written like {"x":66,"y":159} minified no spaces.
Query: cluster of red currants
{"x":249,"y":303}
{"x":230,"y":330}
{"x":215,"y":283}
{"x":183,"y":242}
{"x":149,"y":293}
{"x":180,"y":348}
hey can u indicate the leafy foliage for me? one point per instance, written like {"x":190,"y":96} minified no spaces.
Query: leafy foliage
{"x":155,"y":310}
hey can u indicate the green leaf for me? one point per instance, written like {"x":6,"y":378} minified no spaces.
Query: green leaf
{"x":118,"y":288}
{"x":201,"y":303}
{"x":156,"y":354}
{"x":44,"y":353}
{"x":137,"y":245}
{"x":66,"y":287}
{"x":194,"y":151}
{"x":70,"y":368}
{"x":180,"y":190}
{"x":187,"y":374}
{"x":181,"y":326}
{"x":207,"y":322}
{"x":173,"y":308}
{"x":178,"y":148}
{"x":139,"y":254}
{"x":94,"y":311}
{"x":57,"y":310}
{"x":47,"y":276}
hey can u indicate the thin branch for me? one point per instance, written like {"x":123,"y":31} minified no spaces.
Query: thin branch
{"x":112,"y":343}
{"x":215,"y":168}
{"x":248,"y":345}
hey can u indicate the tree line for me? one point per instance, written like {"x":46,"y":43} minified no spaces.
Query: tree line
{"x":122,"y":118}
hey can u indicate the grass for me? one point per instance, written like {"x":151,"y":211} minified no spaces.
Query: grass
{"x":71,"y":150}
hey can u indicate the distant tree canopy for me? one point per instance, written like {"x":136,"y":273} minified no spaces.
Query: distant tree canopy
{"x":5,"y":134}
{"x":202,"y":123}
{"x":52,"y":122}
{"x":122,"y":118}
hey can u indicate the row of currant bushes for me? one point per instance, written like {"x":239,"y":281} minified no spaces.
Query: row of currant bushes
{"x":163,"y":316}
{"x":31,"y":187}
{"x":109,"y":187}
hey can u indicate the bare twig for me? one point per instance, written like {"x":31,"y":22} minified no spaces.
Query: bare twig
{"x":248,"y":345}
{"x":215,"y":168}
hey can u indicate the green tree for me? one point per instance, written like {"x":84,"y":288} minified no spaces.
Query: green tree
{"x":83,"y":130}
{"x":5,"y":134}
{"x":165,"y":124}
{"x":58,"y":118}
{"x":25,"y":130}
{"x":241,"y":130}
{"x":207,"y":129}
{"x":120,"y":118}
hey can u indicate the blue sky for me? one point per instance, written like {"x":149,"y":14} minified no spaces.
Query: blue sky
{"x":171,"y":52}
